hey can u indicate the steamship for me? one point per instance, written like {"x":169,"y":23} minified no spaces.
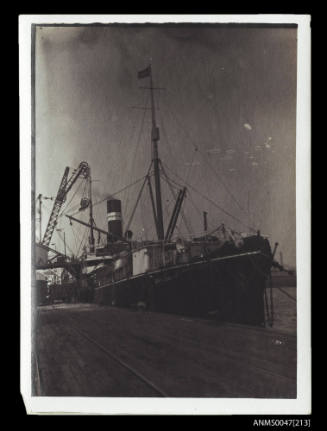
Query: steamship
{"x":222,"y":274}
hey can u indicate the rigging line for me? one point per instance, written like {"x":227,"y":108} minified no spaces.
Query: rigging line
{"x":217,"y":108}
{"x":194,"y":206}
{"x":144,"y":231}
{"x":75,"y":236}
{"x":191,"y":164}
{"x":189,"y":229}
{"x":212,"y":202}
{"x":223,"y":183}
{"x":179,"y":230}
{"x":141,"y":127}
{"x":165,"y":135}
{"x":195,"y":146}
{"x":116,"y":193}
{"x":217,"y":229}
{"x":64,"y":242}
{"x":170,"y":150}
{"x":135,"y":206}
{"x":86,"y":180}
{"x":67,"y":205}
{"x":83,"y":239}
{"x":205,"y":156}
{"x":138,"y":141}
{"x":73,"y":208}
{"x":189,"y":198}
{"x":78,"y":211}
{"x":145,"y":179}
{"x":138,"y":199}
{"x":176,"y":186}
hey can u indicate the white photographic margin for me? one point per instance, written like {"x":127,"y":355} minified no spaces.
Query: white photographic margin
{"x":183,"y":406}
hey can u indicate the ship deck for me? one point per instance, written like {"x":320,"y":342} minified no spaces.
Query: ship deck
{"x":98,"y":351}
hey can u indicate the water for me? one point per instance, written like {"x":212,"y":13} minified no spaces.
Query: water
{"x":284,"y":308}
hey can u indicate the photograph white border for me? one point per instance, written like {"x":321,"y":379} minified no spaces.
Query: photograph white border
{"x":173,"y":406}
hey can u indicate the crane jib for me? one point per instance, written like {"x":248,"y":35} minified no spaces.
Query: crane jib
{"x":65,"y":186}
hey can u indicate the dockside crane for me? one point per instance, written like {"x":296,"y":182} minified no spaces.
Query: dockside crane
{"x":66,"y":184}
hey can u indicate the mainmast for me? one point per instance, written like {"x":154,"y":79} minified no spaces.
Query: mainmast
{"x":155,"y":139}
{"x":155,"y":156}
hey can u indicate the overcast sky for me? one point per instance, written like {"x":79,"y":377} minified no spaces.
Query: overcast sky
{"x":230,"y":92}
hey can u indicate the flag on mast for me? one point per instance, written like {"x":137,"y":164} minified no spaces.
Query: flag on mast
{"x":144,"y":73}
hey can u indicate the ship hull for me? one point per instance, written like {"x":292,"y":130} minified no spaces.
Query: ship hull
{"x":229,"y":288}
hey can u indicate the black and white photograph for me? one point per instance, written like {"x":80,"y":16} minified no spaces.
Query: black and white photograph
{"x":165,"y":213}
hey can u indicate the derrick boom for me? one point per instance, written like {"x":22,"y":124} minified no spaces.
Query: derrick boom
{"x":87,"y":224}
{"x":175,"y":214}
{"x":65,"y":186}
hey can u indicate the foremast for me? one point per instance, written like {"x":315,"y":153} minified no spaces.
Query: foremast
{"x":155,"y":155}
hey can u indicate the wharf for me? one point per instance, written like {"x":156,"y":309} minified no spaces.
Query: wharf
{"x":89,"y":350}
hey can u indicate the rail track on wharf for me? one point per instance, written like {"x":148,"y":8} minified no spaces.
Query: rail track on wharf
{"x":152,"y":385}
{"x":104,"y":351}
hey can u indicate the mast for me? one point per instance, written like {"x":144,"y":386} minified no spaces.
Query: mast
{"x":155,"y":155}
{"x":153,"y":204}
